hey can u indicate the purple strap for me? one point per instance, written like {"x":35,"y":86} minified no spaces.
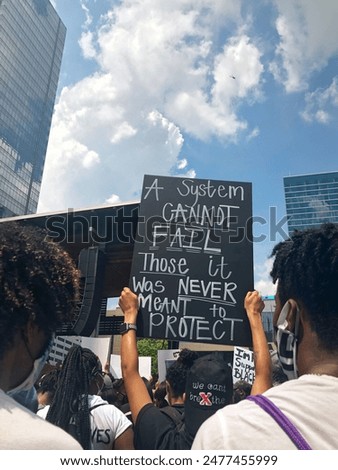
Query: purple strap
{"x":282,"y":420}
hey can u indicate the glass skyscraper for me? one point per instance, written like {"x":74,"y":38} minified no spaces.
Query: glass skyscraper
{"x":32,"y":38}
{"x":311,"y":200}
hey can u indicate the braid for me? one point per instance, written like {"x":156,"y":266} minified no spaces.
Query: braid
{"x":73,"y":412}
{"x":306,"y":268}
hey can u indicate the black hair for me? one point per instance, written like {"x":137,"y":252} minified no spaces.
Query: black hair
{"x":176,"y":374}
{"x":160,"y":394}
{"x":119,"y":393}
{"x":242,"y":389}
{"x":306,"y":268}
{"x":48,"y":382}
{"x":149,"y":387}
{"x":38,"y":280}
{"x":69,"y":409}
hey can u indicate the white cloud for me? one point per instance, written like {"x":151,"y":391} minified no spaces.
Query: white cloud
{"x":182,"y":163}
{"x":308,"y":39}
{"x":263,"y":283}
{"x":253,"y":134}
{"x":85,"y":7}
{"x":87,"y":46}
{"x":113,"y":199}
{"x":322,"y":104}
{"x":161,"y":74}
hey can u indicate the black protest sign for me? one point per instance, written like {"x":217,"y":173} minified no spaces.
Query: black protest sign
{"x":193,"y":260}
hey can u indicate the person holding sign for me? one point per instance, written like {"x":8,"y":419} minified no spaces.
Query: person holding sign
{"x":208,"y":388}
{"x":305,"y":269}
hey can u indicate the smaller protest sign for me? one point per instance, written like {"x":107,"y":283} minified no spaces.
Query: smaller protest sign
{"x":243,"y":365}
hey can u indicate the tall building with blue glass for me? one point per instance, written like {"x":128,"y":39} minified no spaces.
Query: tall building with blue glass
{"x":32,"y":38}
{"x":311,"y":200}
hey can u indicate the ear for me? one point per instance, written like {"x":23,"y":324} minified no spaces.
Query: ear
{"x":292,"y":314}
{"x":29,"y":331}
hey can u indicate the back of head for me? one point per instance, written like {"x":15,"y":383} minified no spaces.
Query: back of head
{"x":242,"y":389}
{"x":160,"y":395}
{"x":48,"y":384}
{"x":119,"y":393}
{"x":38,"y":279}
{"x":176,"y":375}
{"x":306,"y":268}
{"x":209,"y":387}
{"x":80,"y":368}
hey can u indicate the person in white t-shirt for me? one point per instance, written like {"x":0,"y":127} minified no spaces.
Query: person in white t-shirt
{"x":38,"y":292}
{"x":305,"y":269}
{"x":77,"y":408}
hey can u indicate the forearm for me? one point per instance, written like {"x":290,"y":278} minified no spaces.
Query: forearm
{"x":254,"y":306}
{"x":135,"y":388}
{"x":263,"y":368}
{"x":129,"y":353}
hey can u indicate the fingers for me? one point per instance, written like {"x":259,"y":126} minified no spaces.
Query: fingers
{"x":128,"y":299}
{"x":253,"y":299}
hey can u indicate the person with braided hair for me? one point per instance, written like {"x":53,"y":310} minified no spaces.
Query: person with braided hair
{"x":94,"y":422}
{"x":38,"y":292}
{"x":304,"y":407}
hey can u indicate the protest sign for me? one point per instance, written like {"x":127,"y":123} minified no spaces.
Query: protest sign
{"x":193,"y":263}
{"x":243,"y":365}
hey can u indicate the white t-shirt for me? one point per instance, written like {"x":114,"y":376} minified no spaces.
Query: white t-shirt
{"x":310,"y":403}
{"x":107,"y":422}
{"x":22,"y":429}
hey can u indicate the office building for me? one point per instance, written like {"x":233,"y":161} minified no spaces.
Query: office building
{"x":311,"y":200}
{"x":61,"y":346}
{"x":32,"y":39}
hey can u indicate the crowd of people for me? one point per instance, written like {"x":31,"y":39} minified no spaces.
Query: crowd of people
{"x":81,"y":406}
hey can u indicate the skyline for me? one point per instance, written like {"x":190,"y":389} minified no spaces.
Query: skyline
{"x":219,"y":90}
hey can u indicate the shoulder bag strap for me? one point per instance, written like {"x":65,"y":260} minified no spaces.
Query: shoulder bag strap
{"x":96,"y":406}
{"x":282,"y":420}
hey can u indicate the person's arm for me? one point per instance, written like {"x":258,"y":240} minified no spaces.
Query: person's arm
{"x":254,"y":306}
{"x":136,"y":389}
{"x":125,"y":441}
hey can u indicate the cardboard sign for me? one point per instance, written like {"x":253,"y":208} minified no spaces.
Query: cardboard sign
{"x":193,"y":261}
{"x":243,"y":365}
{"x":165,"y":358}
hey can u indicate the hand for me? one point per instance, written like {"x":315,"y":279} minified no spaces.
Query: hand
{"x":128,"y":302}
{"x":253,"y":305}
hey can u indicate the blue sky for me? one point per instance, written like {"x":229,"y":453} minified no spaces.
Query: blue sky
{"x":214,"y":89}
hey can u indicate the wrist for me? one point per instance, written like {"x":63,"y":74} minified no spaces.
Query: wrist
{"x":129,"y":318}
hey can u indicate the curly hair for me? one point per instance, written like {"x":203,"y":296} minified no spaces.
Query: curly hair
{"x":70,"y":409}
{"x":306,"y":268}
{"x":38,"y":279}
{"x":177,"y":373}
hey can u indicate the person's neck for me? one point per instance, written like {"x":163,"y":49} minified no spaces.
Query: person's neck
{"x":312,"y":358}
{"x":325,"y":368}
{"x":176,"y":401}
{"x":320,"y":362}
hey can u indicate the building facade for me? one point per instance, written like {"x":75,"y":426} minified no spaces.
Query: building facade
{"x":60,"y":348}
{"x":311,"y":200}
{"x":32,"y":38}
